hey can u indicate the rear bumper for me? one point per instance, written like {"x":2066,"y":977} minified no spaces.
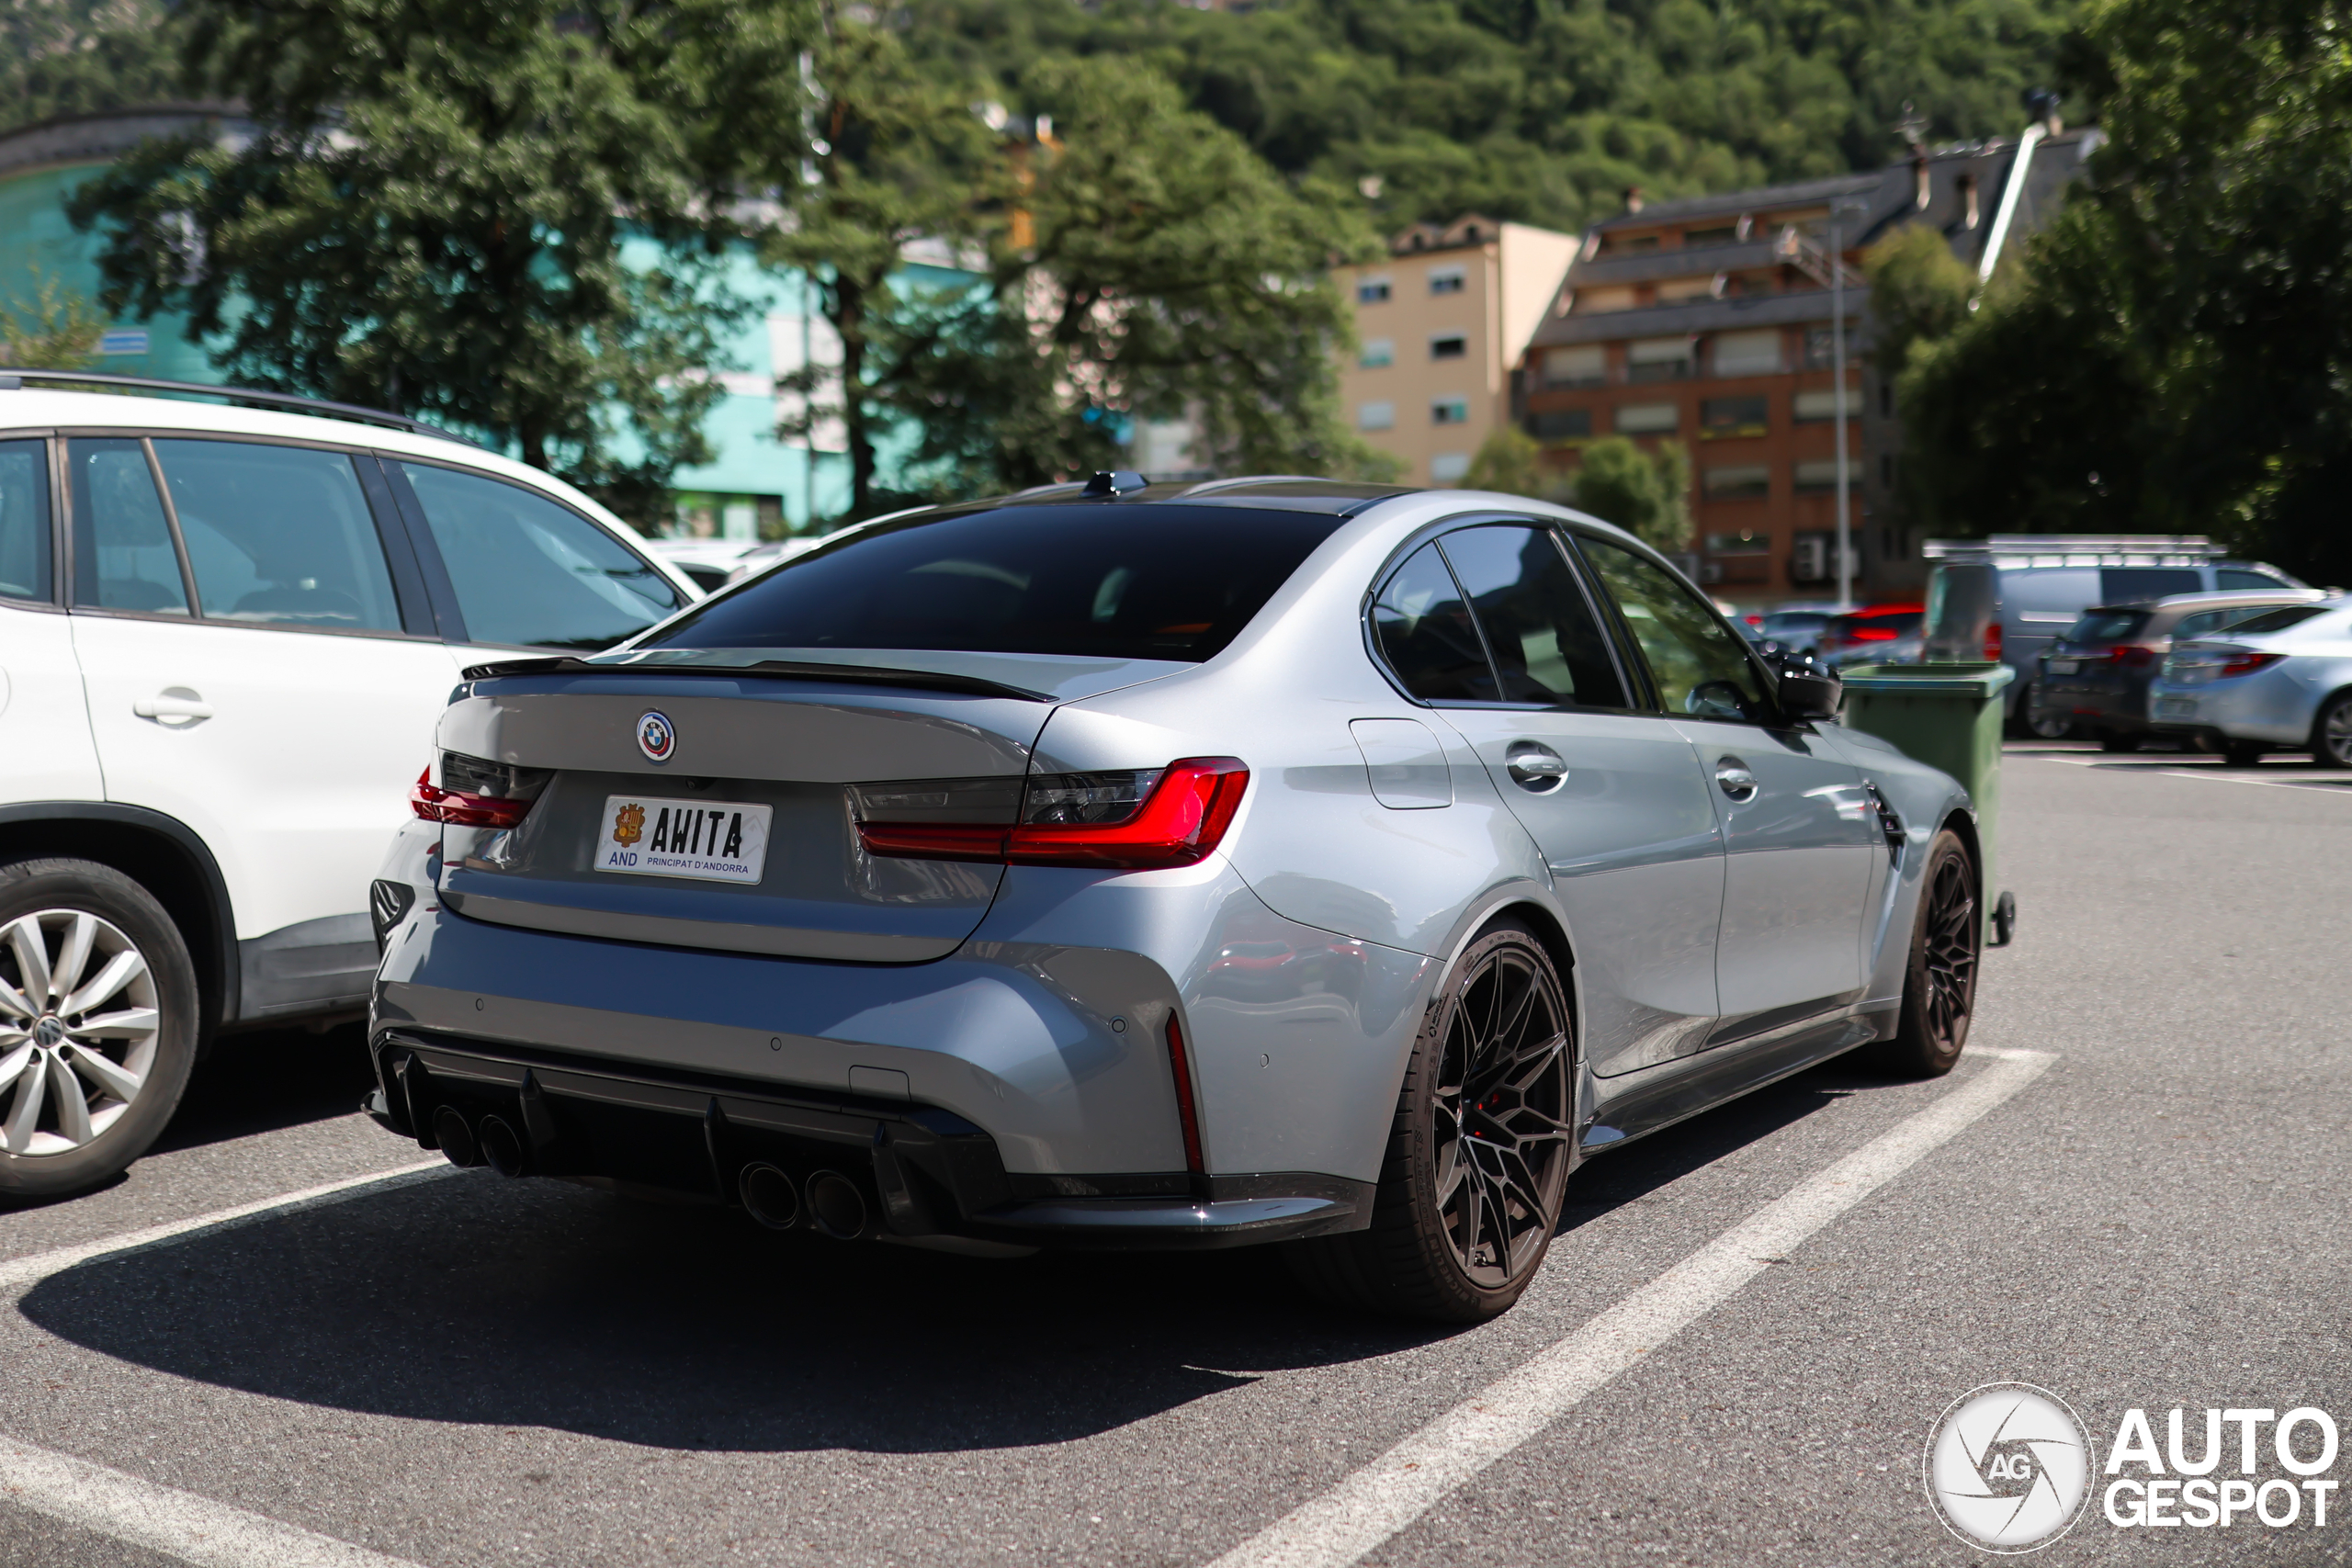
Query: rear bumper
{"x":2272,"y":705}
{"x":923,"y":1171}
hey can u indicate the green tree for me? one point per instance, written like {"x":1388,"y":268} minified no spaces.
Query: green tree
{"x":61,"y":57}
{"x":55,"y":330}
{"x":1646,"y":493}
{"x":1511,"y":461}
{"x":1145,"y":264}
{"x":434,"y":213}
{"x":2176,"y":353}
{"x":1919,"y":293}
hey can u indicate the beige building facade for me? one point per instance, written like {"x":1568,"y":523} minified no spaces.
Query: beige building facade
{"x":1440,"y":325}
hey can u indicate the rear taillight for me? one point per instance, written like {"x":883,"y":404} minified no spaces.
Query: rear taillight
{"x":477,"y":794}
{"x":1128,"y":821}
{"x":2136,"y":657}
{"x":1872,"y":634}
{"x":2246,"y":664}
{"x":1993,"y":643}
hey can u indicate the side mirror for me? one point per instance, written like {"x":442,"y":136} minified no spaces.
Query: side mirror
{"x":1810,"y":691}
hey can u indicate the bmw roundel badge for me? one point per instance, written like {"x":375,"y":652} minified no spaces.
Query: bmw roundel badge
{"x":655,"y":737}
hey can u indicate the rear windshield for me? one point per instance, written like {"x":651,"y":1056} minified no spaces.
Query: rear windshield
{"x":2107,"y":625}
{"x":1092,"y":580}
{"x":2278,"y":620}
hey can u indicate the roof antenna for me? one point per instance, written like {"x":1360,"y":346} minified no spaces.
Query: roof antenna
{"x":1114,"y":483}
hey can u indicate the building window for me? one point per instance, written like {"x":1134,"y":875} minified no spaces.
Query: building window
{"x":1886,"y":400}
{"x":1820,"y":348}
{"x":1372,"y":291}
{"x":1886,"y":473}
{"x":1722,"y":418}
{"x":1676,"y":290}
{"x":1450,"y":411}
{"x":1737,"y":481}
{"x":1658,"y":359}
{"x":1647,"y":419}
{"x":1746,"y":354}
{"x":1820,"y":406}
{"x":1447,"y":280}
{"x":1560,"y":425}
{"x":1448,"y":467}
{"x":1448,"y":345}
{"x":1586,"y":367}
{"x":1820,"y":474}
{"x":1377,"y":351}
{"x":1593,"y":301}
{"x":1744,"y":542}
{"x":1724,"y":236}
{"x":1376,"y":416}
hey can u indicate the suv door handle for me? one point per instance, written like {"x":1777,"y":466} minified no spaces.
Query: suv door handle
{"x":1734,"y":778}
{"x":173,"y":702}
{"x":1534,"y":767}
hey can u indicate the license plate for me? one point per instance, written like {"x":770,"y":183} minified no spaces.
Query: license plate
{"x":2177,"y":707}
{"x":712,"y":841}
{"x":2064,"y":666}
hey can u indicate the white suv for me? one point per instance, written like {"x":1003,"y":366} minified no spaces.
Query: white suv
{"x":225,"y":632}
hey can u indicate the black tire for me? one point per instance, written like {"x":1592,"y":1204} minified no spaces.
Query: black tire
{"x":2112,"y":741}
{"x":2030,"y":721}
{"x":1501,"y":1019}
{"x":2331,"y":732}
{"x":36,"y":888}
{"x":2241,"y":753}
{"x":1940,"y":980}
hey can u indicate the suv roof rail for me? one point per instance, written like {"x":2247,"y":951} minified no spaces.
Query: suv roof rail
{"x":2080,"y":549}
{"x":13,"y":380}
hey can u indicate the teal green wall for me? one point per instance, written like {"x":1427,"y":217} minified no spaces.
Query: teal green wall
{"x":34,"y":235}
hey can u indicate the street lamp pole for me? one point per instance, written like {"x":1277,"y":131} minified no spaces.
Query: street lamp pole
{"x":1838,"y":211}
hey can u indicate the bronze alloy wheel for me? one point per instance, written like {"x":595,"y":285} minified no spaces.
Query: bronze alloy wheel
{"x":1939,"y":984}
{"x":1479,"y":1152}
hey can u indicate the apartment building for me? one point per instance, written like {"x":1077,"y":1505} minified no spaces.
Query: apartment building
{"x":1709,"y":321}
{"x":1442,"y":324}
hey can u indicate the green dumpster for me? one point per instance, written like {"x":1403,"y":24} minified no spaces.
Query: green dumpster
{"x":1949,"y":717}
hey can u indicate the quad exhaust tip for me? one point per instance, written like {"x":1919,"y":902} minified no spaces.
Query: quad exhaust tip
{"x":457,"y":1139}
{"x":770,"y":1197}
{"x":835,"y":1205}
{"x":500,"y":1145}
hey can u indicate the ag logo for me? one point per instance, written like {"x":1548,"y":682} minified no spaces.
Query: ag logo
{"x":2007,"y":1467}
{"x":654,"y":736}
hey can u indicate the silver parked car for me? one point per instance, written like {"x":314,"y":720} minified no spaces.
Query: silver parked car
{"x":2279,"y":680}
{"x":1122,"y":865}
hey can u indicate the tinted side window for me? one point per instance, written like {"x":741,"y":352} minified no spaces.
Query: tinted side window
{"x":123,"y":555}
{"x":1425,"y":634}
{"x":24,"y":519}
{"x":1701,"y":667}
{"x":2230,"y":578}
{"x":278,"y":535}
{"x":530,"y":572}
{"x":2122,"y":584}
{"x":1547,"y":648}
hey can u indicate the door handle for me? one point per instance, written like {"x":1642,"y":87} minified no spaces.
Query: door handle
{"x":1534,"y":767}
{"x":174,"y":703}
{"x":1734,"y":778}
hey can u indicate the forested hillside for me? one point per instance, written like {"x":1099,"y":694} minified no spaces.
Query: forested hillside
{"x":1545,"y":110}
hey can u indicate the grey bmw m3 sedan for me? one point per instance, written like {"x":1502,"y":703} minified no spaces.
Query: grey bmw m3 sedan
{"x":1127,"y":865}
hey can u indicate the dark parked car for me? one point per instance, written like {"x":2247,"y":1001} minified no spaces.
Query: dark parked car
{"x":2092,"y":681}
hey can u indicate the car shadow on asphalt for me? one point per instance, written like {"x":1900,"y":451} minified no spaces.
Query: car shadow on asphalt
{"x":269,"y":1079}
{"x":469,"y":1298}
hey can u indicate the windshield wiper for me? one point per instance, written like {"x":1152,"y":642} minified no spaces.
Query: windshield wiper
{"x":856,"y":675}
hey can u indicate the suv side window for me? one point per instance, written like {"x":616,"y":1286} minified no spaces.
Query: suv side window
{"x":280,"y":534}
{"x":24,"y":519}
{"x":529,"y":572}
{"x":1546,"y":643}
{"x":1699,"y":666}
{"x":124,"y":558}
{"x":2234,"y":578}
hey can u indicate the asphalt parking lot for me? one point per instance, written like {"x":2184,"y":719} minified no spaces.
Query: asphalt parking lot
{"x":2142,"y":1204}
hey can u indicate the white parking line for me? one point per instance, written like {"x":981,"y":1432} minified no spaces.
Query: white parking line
{"x":146,"y":1513}
{"x":2215,"y":775}
{"x":1389,"y":1493}
{"x":23,"y":1273}
{"x":163,"y":1519}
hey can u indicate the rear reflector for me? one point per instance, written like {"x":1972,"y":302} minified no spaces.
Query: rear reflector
{"x":1182,"y":819}
{"x":1186,"y":1113}
{"x":1993,"y":643}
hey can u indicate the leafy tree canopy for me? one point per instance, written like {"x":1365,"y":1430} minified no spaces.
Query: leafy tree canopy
{"x":1543,"y":110}
{"x":1646,"y":493}
{"x":2175,"y":354}
{"x":434,"y":213}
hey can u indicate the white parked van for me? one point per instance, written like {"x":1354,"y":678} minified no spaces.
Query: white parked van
{"x":226,"y":629}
